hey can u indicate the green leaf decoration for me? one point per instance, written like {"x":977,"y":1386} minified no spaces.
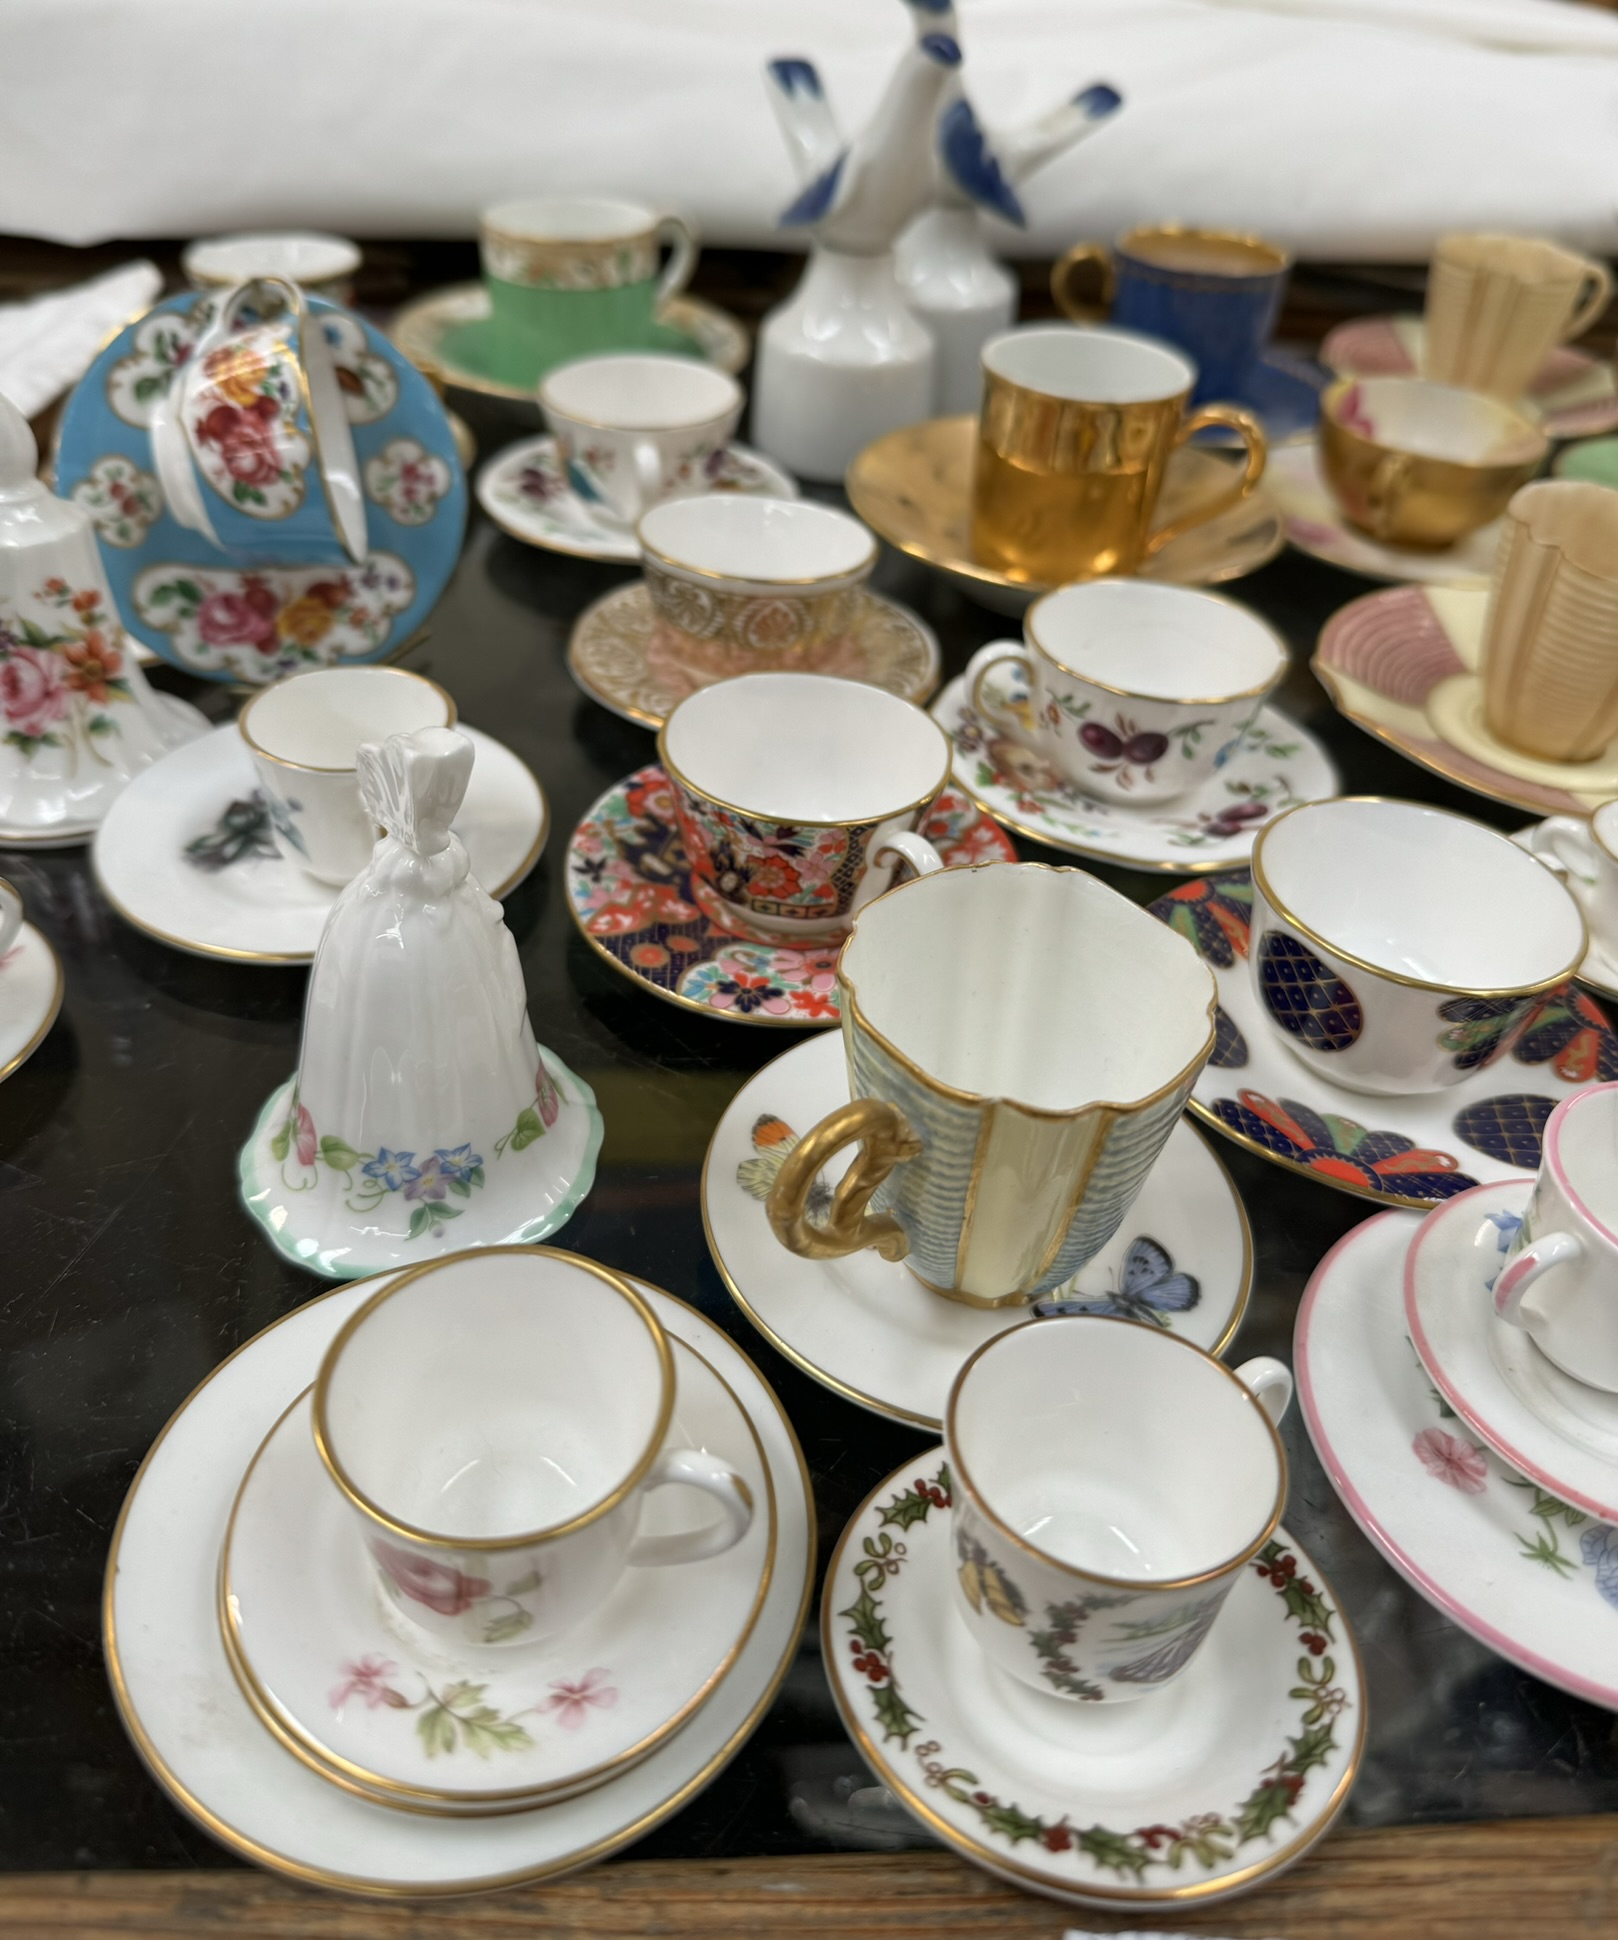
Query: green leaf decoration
{"x":512,"y":1624}
{"x":524,"y":1585}
{"x":906,"y":1509}
{"x":149,"y":387}
{"x":893,"y":1714}
{"x":474,"y":1177}
{"x":1313,"y":1747}
{"x":460,"y":1188}
{"x":281,"y":1144}
{"x":865,"y":1618}
{"x":102,"y":724}
{"x":1114,"y":1850}
{"x":485,"y":1731}
{"x":1013,"y":1822}
{"x":421,"y":1221}
{"x":1266,"y":1803}
{"x":528,"y":1128}
{"x":436,"y":1730}
{"x":1309,"y":1607}
{"x":189,"y":590}
{"x":339,"y":1156}
{"x":1545,"y":1549}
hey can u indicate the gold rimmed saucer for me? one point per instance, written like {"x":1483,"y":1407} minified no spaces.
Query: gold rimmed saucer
{"x":914,"y":488}
{"x":624,"y":657}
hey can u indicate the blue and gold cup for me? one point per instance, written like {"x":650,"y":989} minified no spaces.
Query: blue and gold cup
{"x":1209,"y":292}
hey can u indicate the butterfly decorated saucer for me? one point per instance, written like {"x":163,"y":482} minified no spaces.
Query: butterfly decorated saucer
{"x":1524,"y":1572}
{"x":532,"y":496}
{"x":866,"y":1327}
{"x":631,"y":895}
{"x":1412,"y":1150}
{"x":382,"y":1707}
{"x":205,"y":1745}
{"x":30,"y":997}
{"x":1315,"y":525}
{"x":625,"y":657}
{"x":1275,"y":764}
{"x":186,"y":855}
{"x":1196,"y":1792}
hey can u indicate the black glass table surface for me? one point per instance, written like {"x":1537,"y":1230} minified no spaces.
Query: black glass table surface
{"x":128,"y":1270}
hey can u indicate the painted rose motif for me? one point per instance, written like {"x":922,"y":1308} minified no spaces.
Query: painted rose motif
{"x":33,"y":692}
{"x":246,"y":440}
{"x":436,"y":1586}
{"x":59,"y":682}
{"x":459,"y":1716}
{"x":243,"y":425}
{"x":407,"y":481}
{"x":123,"y":501}
{"x":1452,"y":1461}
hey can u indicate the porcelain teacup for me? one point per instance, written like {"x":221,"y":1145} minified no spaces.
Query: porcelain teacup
{"x":1136,"y":691}
{"x":1088,"y":1564}
{"x":1585,"y":855}
{"x":1567,"y":1244}
{"x":1397,"y":948}
{"x":320,"y":265}
{"x":304,"y":735}
{"x":10,"y":918}
{"x":495,"y":1419}
{"x":1497,"y":306}
{"x":633,"y":429}
{"x":797,"y":797}
{"x":1007,"y":1122}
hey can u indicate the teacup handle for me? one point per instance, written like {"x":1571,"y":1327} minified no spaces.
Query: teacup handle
{"x":10,"y":915}
{"x":1384,"y":494}
{"x":1270,"y":1382}
{"x":916,"y":850}
{"x":682,"y":241}
{"x":644,"y":487}
{"x":884,"y":1133}
{"x":1600,"y":280}
{"x":1004,"y":714}
{"x":1555,"y":1249}
{"x":1562,"y":843}
{"x":1073,"y":306}
{"x":1256,"y":450}
{"x":697,"y":1470}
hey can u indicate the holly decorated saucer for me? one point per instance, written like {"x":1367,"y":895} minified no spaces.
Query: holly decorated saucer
{"x":185,"y":852}
{"x":205,"y":1745}
{"x":531,"y":495}
{"x":630,"y":893}
{"x":30,"y":997}
{"x":866,"y":1327}
{"x":1411,"y":1150}
{"x":624,"y":656}
{"x":384,"y":1708}
{"x":1275,"y":764}
{"x":1220,"y":1780}
{"x":1315,"y":525}
{"x":1519,"y":1569}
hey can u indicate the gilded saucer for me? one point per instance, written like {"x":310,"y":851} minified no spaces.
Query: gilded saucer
{"x":1199,"y":1791}
{"x":1523,"y":1572}
{"x":1276,"y":764}
{"x":867,"y":1329}
{"x":1315,"y":525}
{"x":622,"y":655}
{"x":914,"y":487}
{"x":1412,"y":1150}
{"x":30,"y":997}
{"x":630,"y":893}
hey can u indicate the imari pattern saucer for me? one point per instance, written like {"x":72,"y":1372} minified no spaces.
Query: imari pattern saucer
{"x":30,"y":997}
{"x":1201,"y":1790}
{"x":1315,"y":525}
{"x":636,"y":665}
{"x":630,"y":893}
{"x":1405,"y":1151}
{"x":1275,"y":764}
{"x":1521,"y":1570}
{"x":531,"y":495}
{"x":1575,"y":394}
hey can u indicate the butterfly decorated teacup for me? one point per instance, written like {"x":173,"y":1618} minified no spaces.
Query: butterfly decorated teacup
{"x":1398,"y":948}
{"x":1003,"y":1136}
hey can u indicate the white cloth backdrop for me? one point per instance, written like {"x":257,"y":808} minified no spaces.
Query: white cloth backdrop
{"x":1346,"y":128}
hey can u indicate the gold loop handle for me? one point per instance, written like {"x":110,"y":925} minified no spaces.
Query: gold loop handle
{"x":1600,"y":278}
{"x":1251,"y":433}
{"x":887,"y":1140}
{"x":1073,"y":306}
{"x":1385,"y":492}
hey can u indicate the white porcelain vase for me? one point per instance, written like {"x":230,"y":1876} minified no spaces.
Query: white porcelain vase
{"x":960,"y":294}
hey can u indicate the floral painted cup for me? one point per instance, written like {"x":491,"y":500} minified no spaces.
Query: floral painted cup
{"x":304,"y":735}
{"x":632,"y":430}
{"x":496,"y":1420}
{"x":1398,"y":948}
{"x":797,"y":797}
{"x":1089,"y":1565}
{"x":1137,"y":691}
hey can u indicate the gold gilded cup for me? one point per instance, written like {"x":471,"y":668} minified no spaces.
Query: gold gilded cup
{"x":1497,"y":306}
{"x":1419,"y":464}
{"x":1075,"y":436}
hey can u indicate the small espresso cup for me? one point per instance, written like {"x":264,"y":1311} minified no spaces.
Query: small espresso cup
{"x":798,"y":795}
{"x":1398,"y":948}
{"x":1497,"y":306}
{"x":304,"y":735}
{"x":1585,"y":855}
{"x":496,"y":1419}
{"x":1419,"y":464}
{"x":632,"y":430}
{"x":1071,"y":1443}
{"x":320,"y":265}
{"x":1212,"y":293}
{"x":1567,"y":1246}
{"x":1005,"y":1135}
{"x":1074,"y":439}
{"x":1136,"y":691}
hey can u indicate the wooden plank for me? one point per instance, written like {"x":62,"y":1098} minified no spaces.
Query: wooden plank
{"x":1506,"y":1881}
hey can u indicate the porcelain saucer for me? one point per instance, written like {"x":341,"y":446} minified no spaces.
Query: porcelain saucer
{"x":528,"y":494}
{"x":379,"y":1706}
{"x":914,"y":487}
{"x":202,"y":1741}
{"x":185,"y":852}
{"x":1411,"y":1150}
{"x":622,"y":655}
{"x":867,"y":1329}
{"x":1575,"y":394}
{"x":1201,"y":1790}
{"x":630,"y":893}
{"x":1597,"y":972}
{"x":1315,"y":525}
{"x":1275,"y":764}
{"x":1384,"y":657}
{"x":30,"y":997}
{"x":188,"y":724}
{"x":1517,"y":1568}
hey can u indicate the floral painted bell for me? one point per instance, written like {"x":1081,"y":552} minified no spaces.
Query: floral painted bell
{"x":77,"y":720}
{"x":423,"y":1118}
